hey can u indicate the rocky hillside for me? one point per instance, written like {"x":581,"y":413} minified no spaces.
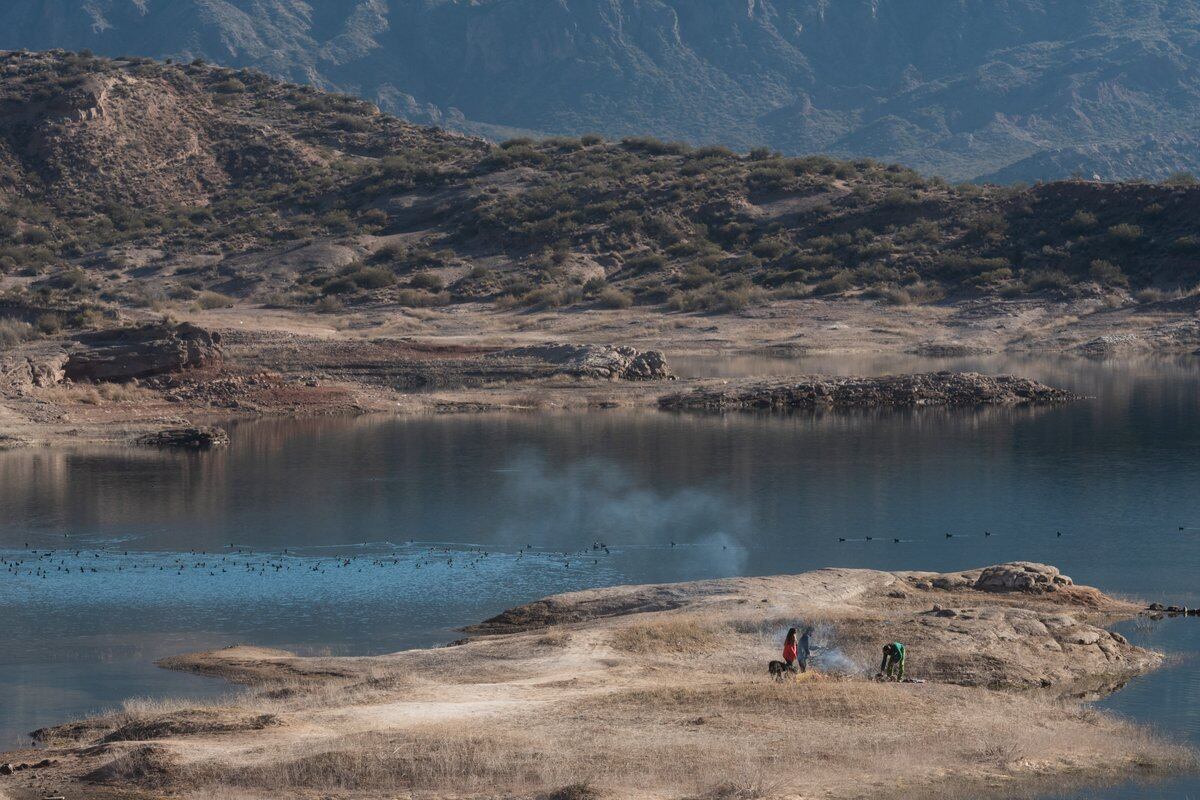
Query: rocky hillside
{"x":1013,"y":90}
{"x":134,"y":183}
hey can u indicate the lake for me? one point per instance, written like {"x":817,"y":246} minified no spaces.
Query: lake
{"x":373,"y":534}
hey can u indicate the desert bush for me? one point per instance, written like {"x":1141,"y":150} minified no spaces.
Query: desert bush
{"x":419,"y":298}
{"x":229,"y":86}
{"x":612,"y":297}
{"x":211,"y":300}
{"x":696,"y":275}
{"x":1047,"y":279}
{"x":49,"y":324}
{"x":893,"y":296}
{"x":13,"y":332}
{"x":351,"y":123}
{"x":769,"y":249}
{"x":711,"y":299}
{"x":647,"y":262}
{"x":1181,"y":179}
{"x":429,"y":281}
{"x":839,"y":282}
{"x":1082,"y":221}
{"x":1124,"y":233}
{"x":652,"y":146}
{"x":329,"y":305}
{"x":988,"y":226}
{"x":1107,"y":273}
{"x":371,"y":278}
{"x":339,"y":286}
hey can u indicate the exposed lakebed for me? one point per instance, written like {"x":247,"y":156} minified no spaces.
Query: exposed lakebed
{"x":741,"y":494}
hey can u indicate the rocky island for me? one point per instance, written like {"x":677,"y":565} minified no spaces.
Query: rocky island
{"x":657,"y":692}
{"x":889,"y":391}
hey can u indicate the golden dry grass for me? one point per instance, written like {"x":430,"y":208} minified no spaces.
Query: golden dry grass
{"x":97,"y":394}
{"x":678,"y":635}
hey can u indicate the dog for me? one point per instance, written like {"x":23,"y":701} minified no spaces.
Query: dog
{"x":779,"y":670}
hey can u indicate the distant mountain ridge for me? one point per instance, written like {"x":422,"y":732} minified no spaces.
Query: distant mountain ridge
{"x":967,"y":89}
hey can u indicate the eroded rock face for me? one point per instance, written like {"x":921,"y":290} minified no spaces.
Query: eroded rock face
{"x":888,"y":391}
{"x":596,"y":361}
{"x":36,"y":368}
{"x":128,"y":353}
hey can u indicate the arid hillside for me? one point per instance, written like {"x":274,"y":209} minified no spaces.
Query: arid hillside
{"x":965,"y":89}
{"x":129,"y":183}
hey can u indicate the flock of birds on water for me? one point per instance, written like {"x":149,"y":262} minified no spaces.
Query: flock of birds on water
{"x":48,"y":563}
{"x":986,"y":534}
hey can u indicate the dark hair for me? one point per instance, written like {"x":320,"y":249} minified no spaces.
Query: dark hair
{"x":791,"y":634}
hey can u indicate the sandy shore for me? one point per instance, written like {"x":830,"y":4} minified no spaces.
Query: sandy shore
{"x":659,"y":692}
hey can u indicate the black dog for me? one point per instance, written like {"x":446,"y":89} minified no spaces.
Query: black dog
{"x":778,"y":669}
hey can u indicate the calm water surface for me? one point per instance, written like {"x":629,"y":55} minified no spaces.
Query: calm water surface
{"x":129,"y":555}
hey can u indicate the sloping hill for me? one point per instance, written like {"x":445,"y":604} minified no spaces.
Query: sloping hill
{"x":1019,"y":89}
{"x":130,"y":182}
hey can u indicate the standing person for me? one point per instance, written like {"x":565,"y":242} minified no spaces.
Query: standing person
{"x":790,"y":649}
{"x":893,"y":660}
{"x":803,"y":649}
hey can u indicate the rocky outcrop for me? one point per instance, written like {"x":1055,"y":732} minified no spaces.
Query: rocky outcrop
{"x":38,"y":367}
{"x":1022,"y":576}
{"x":192,"y":438}
{"x":889,"y":391}
{"x":124,"y":354}
{"x":595,"y":361}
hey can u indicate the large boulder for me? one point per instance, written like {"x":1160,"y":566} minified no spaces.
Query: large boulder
{"x":1022,"y":576}
{"x":594,"y":361}
{"x":127,"y":353}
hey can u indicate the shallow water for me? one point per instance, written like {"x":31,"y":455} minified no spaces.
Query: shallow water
{"x":415,"y":503}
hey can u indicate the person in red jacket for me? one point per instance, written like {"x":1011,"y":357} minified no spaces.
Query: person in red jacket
{"x":790,"y":650}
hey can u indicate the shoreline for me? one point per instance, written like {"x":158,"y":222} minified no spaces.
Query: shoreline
{"x":609,"y":660}
{"x":279,"y":364}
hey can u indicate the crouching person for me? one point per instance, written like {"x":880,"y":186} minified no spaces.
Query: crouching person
{"x":893,"y":662}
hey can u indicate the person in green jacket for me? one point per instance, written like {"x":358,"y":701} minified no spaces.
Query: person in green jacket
{"x":893,"y":661}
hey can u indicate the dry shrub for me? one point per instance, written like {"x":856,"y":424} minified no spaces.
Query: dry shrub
{"x":211,"y":300}
{"x":13,"y":332}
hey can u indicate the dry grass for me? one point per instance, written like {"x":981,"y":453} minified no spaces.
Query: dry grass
{"x":681,"y":635}
{"x":13,"y":332}
{"x":729,"y":739}
{"x":555,"y":637}
{"x":97,"y":394}
{"x":731,"y":736}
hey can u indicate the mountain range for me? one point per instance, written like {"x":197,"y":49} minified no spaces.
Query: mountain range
{"x":1001,"y":90}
